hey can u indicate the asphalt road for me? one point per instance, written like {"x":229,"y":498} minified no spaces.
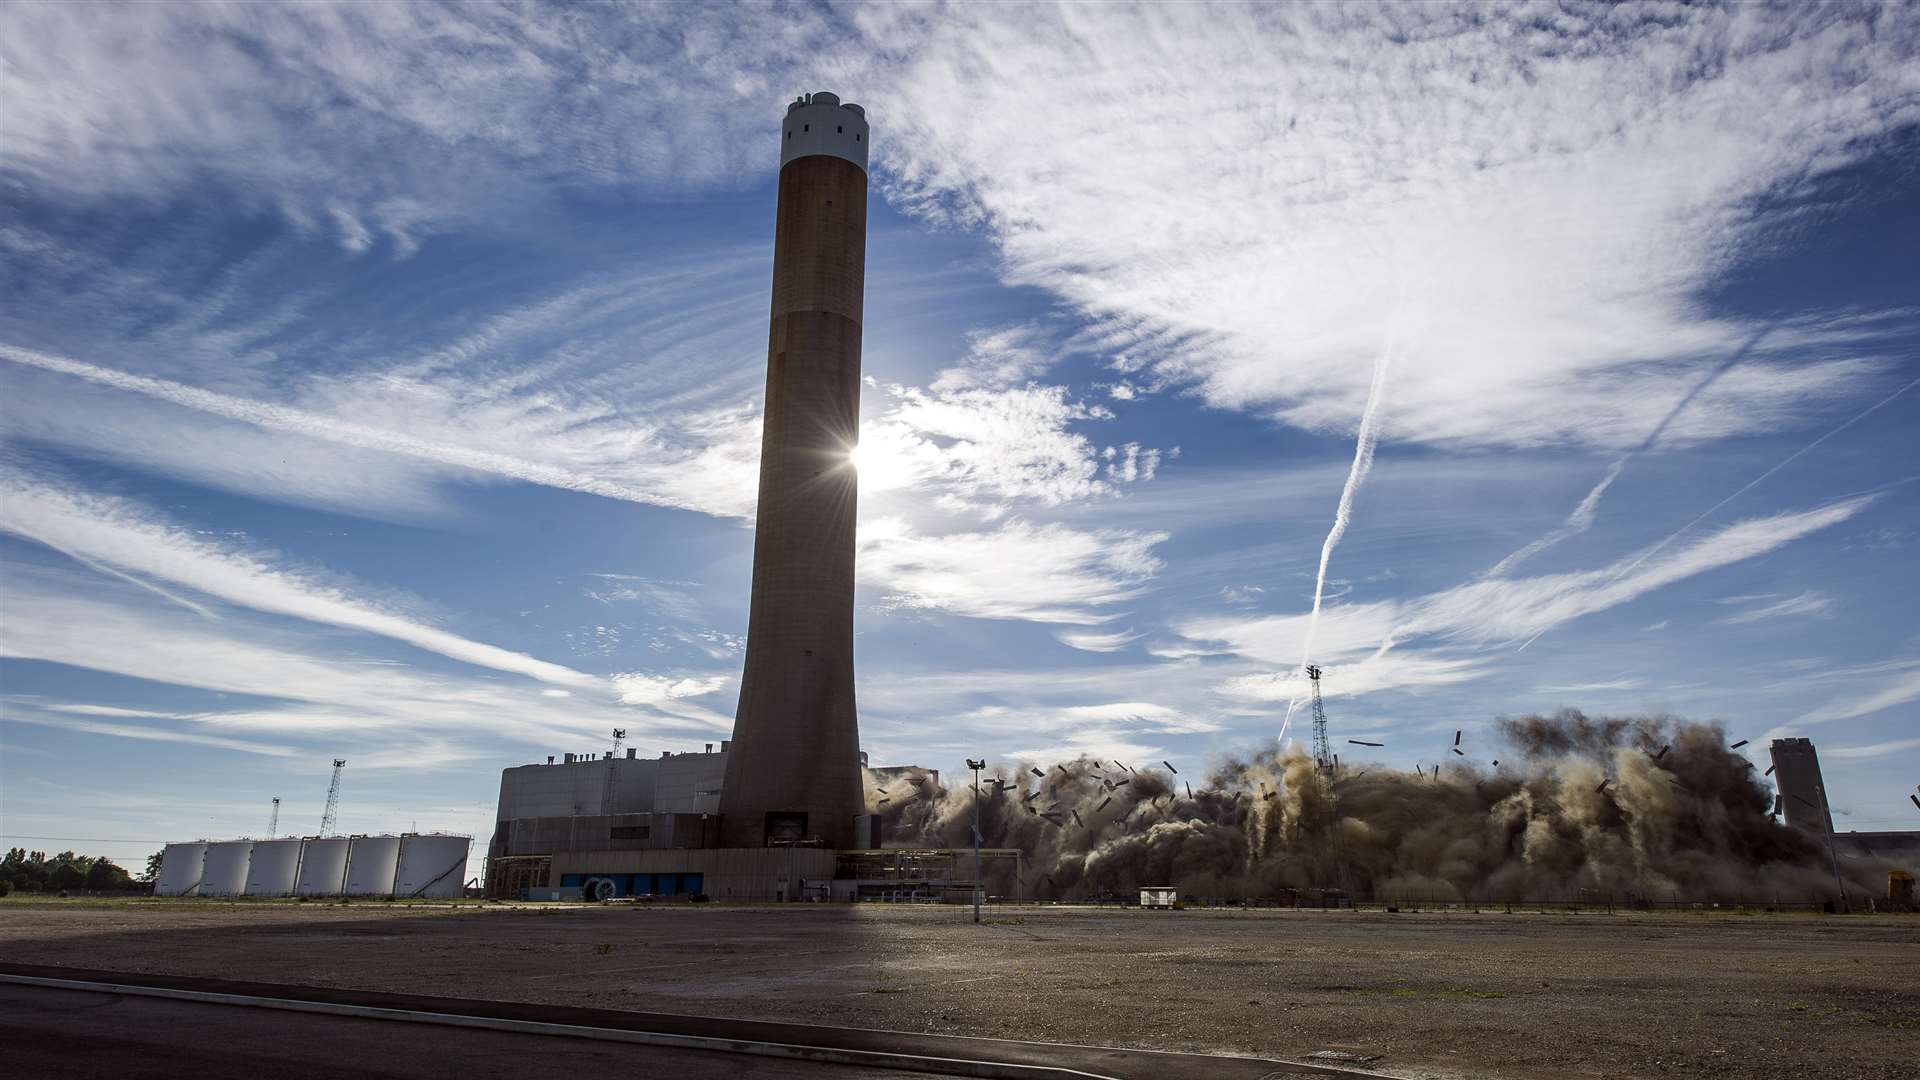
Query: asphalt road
{"x":79,"y":1035}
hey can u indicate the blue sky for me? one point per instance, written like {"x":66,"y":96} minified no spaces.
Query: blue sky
{"x":383,"y":382}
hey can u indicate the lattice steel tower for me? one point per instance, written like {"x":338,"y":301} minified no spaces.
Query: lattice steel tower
{"x":1322,"y":749}
{"x":333,"y":798}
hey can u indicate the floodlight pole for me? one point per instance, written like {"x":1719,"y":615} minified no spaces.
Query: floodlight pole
{"x":1834,"y":858}
{"x":976,"y":766}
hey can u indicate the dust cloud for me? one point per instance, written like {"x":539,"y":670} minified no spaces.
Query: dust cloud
{"x":1572,"y":807}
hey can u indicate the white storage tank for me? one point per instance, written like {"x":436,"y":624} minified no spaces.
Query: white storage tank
{"x":323,"y":866}
{"x":432,"y":866}
{"x":180,"y":866}
{"x":275,"y":868}
{"x":372,"y":862}
{"x":225,"y":871}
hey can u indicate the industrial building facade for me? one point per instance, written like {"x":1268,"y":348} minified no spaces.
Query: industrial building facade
{"x":648,"y":826}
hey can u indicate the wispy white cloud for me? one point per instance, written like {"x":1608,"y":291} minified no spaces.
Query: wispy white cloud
{"x":384,"y":122}
{"x":1811,"y":602}
{"x":1365,"y":645}
{"x":1096,"y":641}
{"x":1549,"y":196}
{"x":152,"y":734}
{"x":1019,"y":570}
{"x":1873,"y":750}
{"x":136,"y":541}
{"x":731,"y":449}
{"x":293,"y":686}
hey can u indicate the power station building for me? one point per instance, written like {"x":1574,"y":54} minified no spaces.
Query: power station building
{"x":635,"y":826}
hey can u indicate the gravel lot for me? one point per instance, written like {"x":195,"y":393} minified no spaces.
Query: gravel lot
{"x":1433,"y":996}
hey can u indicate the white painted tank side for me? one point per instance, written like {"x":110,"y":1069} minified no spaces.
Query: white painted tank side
{"x":371,"y":864}
{"x":323,"y":866}
{"x":432,"y":866}
{"x":180,"y":867}
{"x":274,"y":869}
{"x":225,"y":872}
{"x":819,"y":124}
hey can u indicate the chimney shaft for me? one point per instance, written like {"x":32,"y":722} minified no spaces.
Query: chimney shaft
{"x":793,"y":771}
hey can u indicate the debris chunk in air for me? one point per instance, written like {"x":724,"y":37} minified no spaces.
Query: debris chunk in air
{"x":1170,"y":768}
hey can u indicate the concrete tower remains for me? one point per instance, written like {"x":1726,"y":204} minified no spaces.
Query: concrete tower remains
{"x":1803,"y":794}
{"x":793,"y":773}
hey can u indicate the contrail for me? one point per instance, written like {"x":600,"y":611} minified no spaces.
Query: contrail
{"x":331,"y":429}
{"x":1748,"y":486}
{"x":1582,"y":517}
{"x":102,"y":568}
{"x":1368,"y":437}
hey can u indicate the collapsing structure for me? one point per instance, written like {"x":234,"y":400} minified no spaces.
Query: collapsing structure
{"x":406,"y":866}
{"x":1584,"y":806}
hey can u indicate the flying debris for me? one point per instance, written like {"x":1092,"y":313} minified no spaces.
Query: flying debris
{"x":1030,"y":796}
{"x":1459,"y":751}
{"x":1038,"y":773}
{"x":1033,"y":812}
{"x":1122,"y":783}
{"x":1097,"y":765}
{"x":1063,"y":769}
{"x":1170,"y":768}
{"x":1663,"y":752}
{"x":882,"y":789}
{"x":1363,"y":742}
{"x":884,"y":802}
{"x":1420,"y":772}
{"x":1456,"y":738}
{"x":1076,"y":818}
{"x":1916,"y":801}
{"x":1603,"y":785}
{"x":1103,"y":804}
{"x":1189,"y":790}
{"x":1769,"y":771}
{"x":1496,"y":763}
{"x":1738,"y":745}
{"x":1271,"y":795}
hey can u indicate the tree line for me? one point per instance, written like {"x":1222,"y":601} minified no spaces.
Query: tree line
{"x":35,"y":872}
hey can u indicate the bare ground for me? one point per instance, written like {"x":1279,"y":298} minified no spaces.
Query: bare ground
{"x":1434,"y":996}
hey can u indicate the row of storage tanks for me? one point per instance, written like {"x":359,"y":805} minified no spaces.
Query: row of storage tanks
{"x":427,"y":865}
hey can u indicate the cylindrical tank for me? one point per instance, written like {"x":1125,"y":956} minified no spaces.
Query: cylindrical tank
{"x":371,"y":864}
{"x":180,"y":866}
{"x":323,"y":866}
{"x":274,"y":869}
{"x":432,"y":866}
{"x":225,"y":871}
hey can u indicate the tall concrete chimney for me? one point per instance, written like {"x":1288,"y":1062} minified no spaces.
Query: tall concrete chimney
{"x":793,"y":768}
{"x":1803,"y":794}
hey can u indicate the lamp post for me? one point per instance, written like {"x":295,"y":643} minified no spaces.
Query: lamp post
{"x":976,"y":766}
{"x":1834,"y":858}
